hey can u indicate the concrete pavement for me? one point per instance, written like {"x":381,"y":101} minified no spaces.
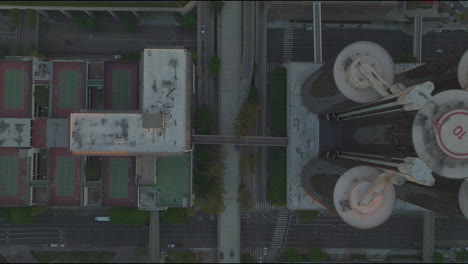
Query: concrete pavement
{"x":230,"y":102}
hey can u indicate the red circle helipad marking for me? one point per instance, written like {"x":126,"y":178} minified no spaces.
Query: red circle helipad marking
{"x":459,"y":134}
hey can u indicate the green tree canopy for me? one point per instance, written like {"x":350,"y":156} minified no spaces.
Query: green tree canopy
{"x":245,"y":199}
{"x":217,"y":6}
{"x":292,"y":255}
{"x":214,"y":65}
{"x":276,"y":188}
{"x":175,"y":215}
{"x":130,"y":23}
{"x":32,"y":16}
{"x":128,"y":216}
{"x":317,"y":255}
{"x":87,"y":23}
{"x":308,"y":215}
{"x":438,"y":257}
{"x":15,"y":17}
{"x":203,"y":120}
{"x":93,"y":169}
{"x":406,"y":58}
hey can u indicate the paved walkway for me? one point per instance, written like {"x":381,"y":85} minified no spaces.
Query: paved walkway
{"x":22,"y":254}
{"x":230,"y":102}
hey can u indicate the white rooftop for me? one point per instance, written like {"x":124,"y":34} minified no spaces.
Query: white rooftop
{"x":15,"y":132}
{"x":105,"y":132}
{"x":163,"y":125}
{"x":164,"y":83}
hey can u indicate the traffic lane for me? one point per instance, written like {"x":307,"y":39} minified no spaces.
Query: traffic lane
{"x":303,"y":45}
{"x":275,"y":38}
{"x":105,"y":46}
{"x":332,"y":232}
{"x":448,"y":41}
{"x":447,"y":229}
{"x":96,"y":236}
{"x":394,"y":41}
{"x":200,"y":231}
{"x":257,"y":229}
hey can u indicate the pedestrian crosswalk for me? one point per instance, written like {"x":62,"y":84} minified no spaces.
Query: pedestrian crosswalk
{"x":257,"y":254}
{"x":270,"y":67}
{"x":288,"y":44}
{"x":266,"y":207}
{"x":280,"y":230}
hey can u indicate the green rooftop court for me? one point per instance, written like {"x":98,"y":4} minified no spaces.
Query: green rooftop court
{"x":14,"y":89}
{"x":65,"y":176}
{"x":118,"y":178}
{"x":173,"y":180}
{"x":8,"y":176}
{"x":68,"y":89}
{"x":121,"y":92}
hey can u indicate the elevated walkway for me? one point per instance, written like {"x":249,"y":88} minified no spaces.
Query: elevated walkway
{"x":259,"y":141}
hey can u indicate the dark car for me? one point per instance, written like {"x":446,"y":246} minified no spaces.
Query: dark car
{"x":202,"y":61}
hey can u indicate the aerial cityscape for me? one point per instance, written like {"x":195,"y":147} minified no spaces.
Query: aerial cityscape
{"x":233,"y":131}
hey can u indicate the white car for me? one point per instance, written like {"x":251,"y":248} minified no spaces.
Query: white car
{"x":438,"y":31}
{"x":171,"y":245}
{"x":53,"y":245}
{"x":309,"y":28}
{"x":440,"y":51}
{"x":202,"y":29}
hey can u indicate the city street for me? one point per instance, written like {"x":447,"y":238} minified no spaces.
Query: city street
{"x":66,"y":39}
{"x":448,"y":41}
{"x":198,"y":232}
{"x":334,"y":40}
{"x":72,"y":230}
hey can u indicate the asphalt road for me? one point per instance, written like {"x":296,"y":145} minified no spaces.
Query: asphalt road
{"x":449,"y":41}
{"x":334,"y":40}
{"x":260,"y":182}
{"x":394,"y":41}
{"x":198,"y":232}
{"x":72,"y":230}
{"x":66,"y":39}
{"x":205,"y":50}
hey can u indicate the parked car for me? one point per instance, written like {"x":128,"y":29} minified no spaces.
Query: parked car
{"x":171,"y":245}
{"x":309,"y":28}
{"x":231,"y":253}
{"x":440,"y":51}
{"x":53,"y":245}
{"x":236,"y":148}
{"x":265,"y":251}
{"x":202,"y":29}
{"x":202,"y":61}
{"x":102,"y":218}
{"x":438,"y":31}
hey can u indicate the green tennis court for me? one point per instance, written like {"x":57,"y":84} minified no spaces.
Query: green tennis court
{"x":173,"y":179}
{"x":121,"y":89}
{"x":118,"y":178}
{"x":65,"y":176}
{"x":68,"y":89}
{"x":8,"y":176}
{"x":14,"y":89}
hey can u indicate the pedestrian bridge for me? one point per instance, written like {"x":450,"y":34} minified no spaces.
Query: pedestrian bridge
{"x":259,"y":141}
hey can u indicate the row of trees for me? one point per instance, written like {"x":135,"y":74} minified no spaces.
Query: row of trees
{"x":245,"y":199}
{"x":22,"y":215}
{"x":313,"y":254}
{"x":208,"y":169}
{"x":92,"y":24}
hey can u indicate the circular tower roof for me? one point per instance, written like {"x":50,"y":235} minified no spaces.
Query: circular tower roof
{"x":350,"y":81}
{"x":348,"y":191}
{"x":440,"y":133}
{"x":463,"y":71}
{"x":463,"y":198}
